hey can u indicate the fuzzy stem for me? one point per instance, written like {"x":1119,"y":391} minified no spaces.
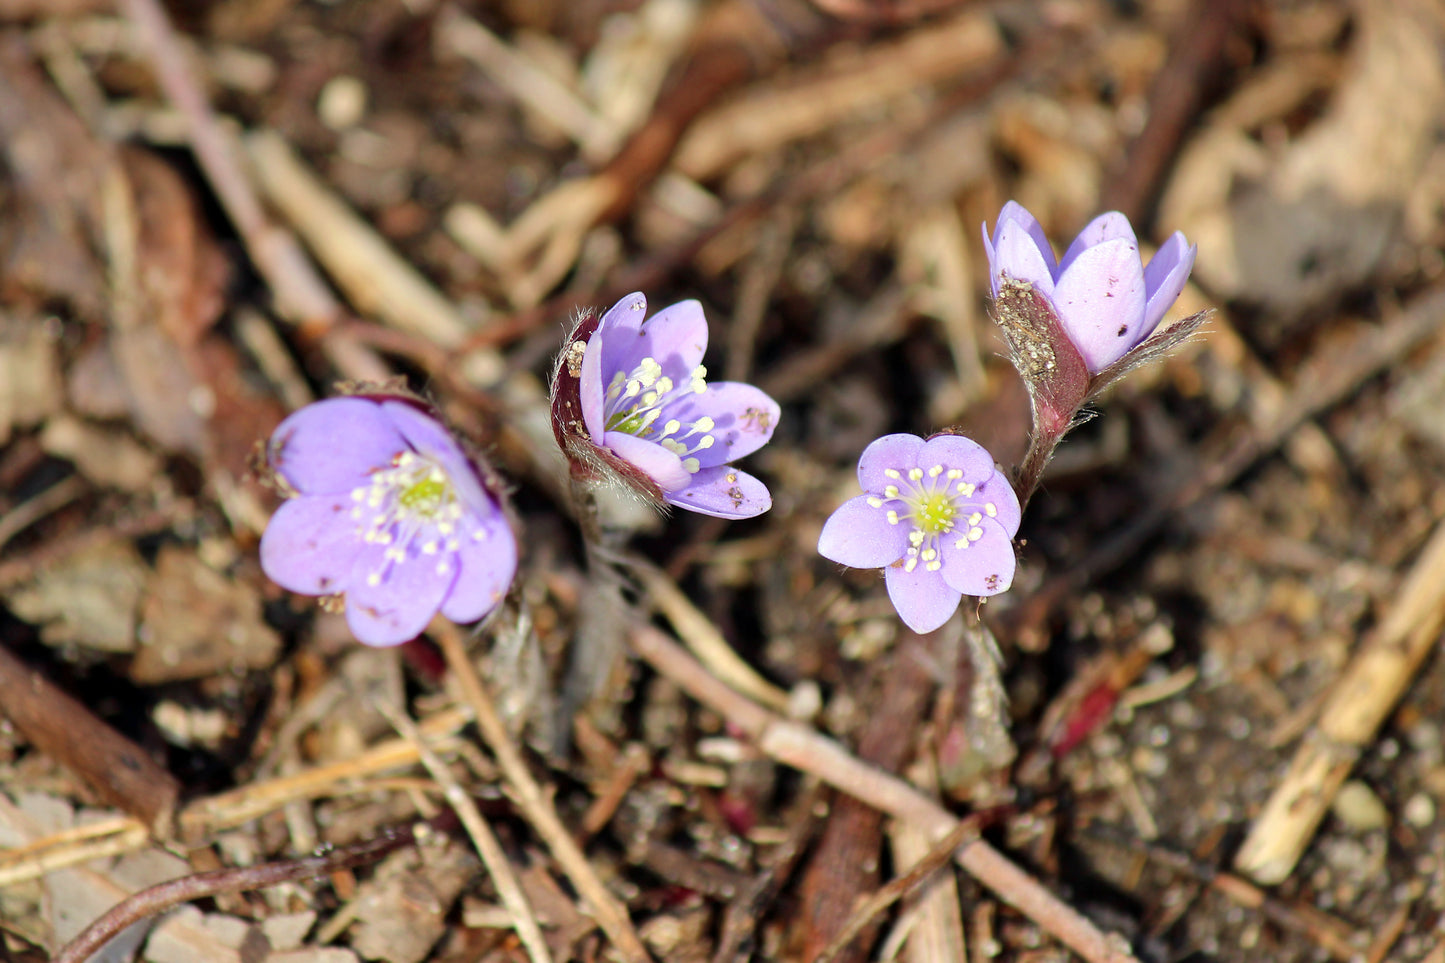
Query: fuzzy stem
{"x":1031,"y":470}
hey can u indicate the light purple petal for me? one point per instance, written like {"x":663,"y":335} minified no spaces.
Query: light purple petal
{"x":487,"y":561}
{"x":626,"y":315}
{"x":743,"y":420}
{"x":429,"y":437}
{"x":618,"y":344}
{"x":679,"y":334}
{"x":997,"y":491}
{"x":422,"y":432}
{"x":309,"y":544}
{"x":984,"y":567}
{"x":1018,"y":255}
{"x":591,"y":391}
{"x":723,"y":492}
{"x":676,"y":337}
{"x":898,"y":452}
{"x":923,"y":599}
{"x":661,"y":465}
{"x":988,"y":250}
{"x":956,"y":451}
{"x":1164,"y":278}
{"x":1100,"y":298}
{"x":1112,"y":226}
{"x":1016,"y":213}
{"x":330,"y":446}
{"x":858,"y":535}
{"x":398,"y":608}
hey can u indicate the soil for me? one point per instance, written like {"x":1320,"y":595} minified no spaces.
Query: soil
{"x":213,"y":213}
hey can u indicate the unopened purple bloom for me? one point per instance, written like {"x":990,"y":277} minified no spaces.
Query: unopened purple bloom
{"x":936,"y":516}
{"x":1106,"y":300}
{"x":648,"y":414}
{"x":389,"y":512}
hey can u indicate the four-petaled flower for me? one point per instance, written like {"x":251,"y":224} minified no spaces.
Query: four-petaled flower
{"x":936,"y":516}
{"x":1105,"y":299}
{"x":387,"y":511}
{"x":630,"y":398}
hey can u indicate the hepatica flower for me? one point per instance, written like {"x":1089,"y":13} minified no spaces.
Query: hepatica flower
{"x":631,"y":399}
{"x":1106,"y":300}
{"x":936,"y":516}
{"x":388,"y":512}
{"x":1077,"y":325}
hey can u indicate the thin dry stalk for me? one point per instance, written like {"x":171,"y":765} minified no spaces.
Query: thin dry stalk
{"x":917,"y":876}
{"x":110,"y":837}
{"x":806,"y":750}
{"x":536,"y":806}
{"x":300,"y":294}
{"x":508,"y":887}
{"x":161,"y":897}
{"x":374,"y":278}
{"x":704,"y":638}
{"x":938,"y":936}
{"x":528,"y":82}
{"x":205,"y":817}
{"x":35,"y":508}
{"x":1368,"y":688}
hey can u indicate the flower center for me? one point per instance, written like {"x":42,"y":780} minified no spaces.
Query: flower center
{"x":636,"y":399}
{"x":411,"y":507}
{"x":934,"y":503}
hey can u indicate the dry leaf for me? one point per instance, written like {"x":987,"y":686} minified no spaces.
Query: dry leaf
{"x":197,"y":622}
{"x":29,"y":375}
{"x":88,"y":598}
{"x":403,"y":909}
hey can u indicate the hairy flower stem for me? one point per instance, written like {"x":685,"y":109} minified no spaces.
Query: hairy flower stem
{"x":1031,"y":470}
{"x":598,"y":656}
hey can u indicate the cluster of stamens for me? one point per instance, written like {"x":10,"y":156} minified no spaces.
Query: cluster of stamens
{"x":930,"y":505}
{"x":636,"y":399}
{"x":411,"y":502}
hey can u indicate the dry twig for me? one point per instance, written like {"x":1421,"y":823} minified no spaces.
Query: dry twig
{"x":508,"y":888}
{"x":117,"y":769}
{"x":1367,"y":690}
{"x":917,"y":876}
{"x":535,"y":805}
{"x":161,"y":897}
{"x":806,"y":750}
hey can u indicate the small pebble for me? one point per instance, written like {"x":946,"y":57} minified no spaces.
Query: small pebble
{"x":1359,"y":808}
{"x":342,"y":102}
{"x":1419,"y":810}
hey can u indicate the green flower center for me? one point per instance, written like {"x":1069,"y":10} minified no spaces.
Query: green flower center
{"x":411,"y":507}
{"x":933,"y":503}
{"x":933,"y":512}
{"x":426,"y":496}
{"x":637,"y":399}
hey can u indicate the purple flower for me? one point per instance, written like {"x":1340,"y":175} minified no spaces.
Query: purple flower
{"x":936,"y":516}
{"x":630,"y":398}
{"x":1106,"y":300}
{"x":387,"y":511}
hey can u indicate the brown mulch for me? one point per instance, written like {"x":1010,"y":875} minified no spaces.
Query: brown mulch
{"x":1229,"y":591}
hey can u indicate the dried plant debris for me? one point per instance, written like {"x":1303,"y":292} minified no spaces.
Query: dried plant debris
{"x":91,"y":598}
{"x":30,"y":388}
{"x":195,"y":622}
{"x":402,"y":911}
{"x":1181,"y":539}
